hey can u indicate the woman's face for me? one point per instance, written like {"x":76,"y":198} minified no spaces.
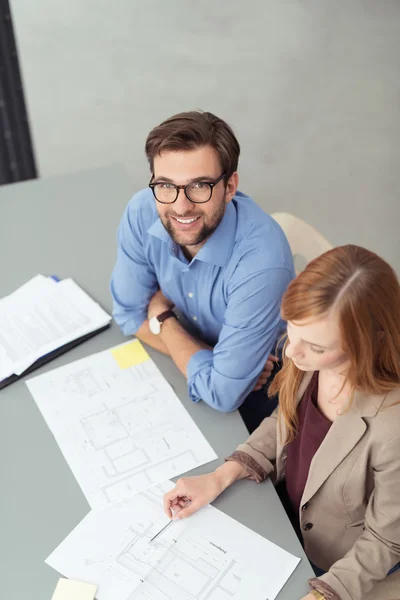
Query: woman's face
{"x":315,"y":345}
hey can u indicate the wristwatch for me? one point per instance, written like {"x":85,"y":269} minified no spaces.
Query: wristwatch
{"x":317,"y":595}
{"x":155,"y":322}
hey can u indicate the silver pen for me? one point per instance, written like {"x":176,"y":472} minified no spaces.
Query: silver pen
{"x":170,"y":522}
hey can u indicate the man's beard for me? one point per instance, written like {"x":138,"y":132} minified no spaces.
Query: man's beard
{"x":205,"y":232}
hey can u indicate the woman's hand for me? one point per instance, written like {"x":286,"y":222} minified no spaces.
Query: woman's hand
{"x":199,"y":491}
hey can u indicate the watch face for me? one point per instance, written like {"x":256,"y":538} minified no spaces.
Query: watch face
{"x":155,"y":326}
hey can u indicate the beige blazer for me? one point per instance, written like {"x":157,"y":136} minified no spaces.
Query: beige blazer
{"x":350,"y":509}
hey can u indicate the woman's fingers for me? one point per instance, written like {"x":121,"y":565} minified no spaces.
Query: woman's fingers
{"x":190,"y":494}
{"x":187,"y":511}
{"x":172,"y":502}
{"x":176,"y":499}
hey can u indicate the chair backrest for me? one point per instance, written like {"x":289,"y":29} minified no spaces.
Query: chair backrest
{"x":305,"y":242}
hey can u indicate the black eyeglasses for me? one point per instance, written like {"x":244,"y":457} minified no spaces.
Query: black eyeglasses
{"x":197,"y":191}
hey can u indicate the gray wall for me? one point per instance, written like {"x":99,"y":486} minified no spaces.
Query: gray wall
{"x":312,"y":88}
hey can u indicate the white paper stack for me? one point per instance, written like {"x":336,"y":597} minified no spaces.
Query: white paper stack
{"x":206,"y":557}
{"x":42,"y":316}
{"x":123,"y":430}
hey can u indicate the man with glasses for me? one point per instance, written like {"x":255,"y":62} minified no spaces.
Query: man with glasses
{"x":193,"y":243}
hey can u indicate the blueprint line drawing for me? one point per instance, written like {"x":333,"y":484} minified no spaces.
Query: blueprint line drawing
{"x":120,"y":430}
{"x":193,"y":574}
{"x":206,"y":557}
{"x":191,"y":569}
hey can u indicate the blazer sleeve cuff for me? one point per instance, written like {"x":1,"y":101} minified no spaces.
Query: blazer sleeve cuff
{"x":258,"y":466}
{"x":324,"y":589}
{"x":255,"y":471}
{"x":329,"y":584}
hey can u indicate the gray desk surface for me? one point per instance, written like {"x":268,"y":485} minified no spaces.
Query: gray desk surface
{"x":66,"y":226}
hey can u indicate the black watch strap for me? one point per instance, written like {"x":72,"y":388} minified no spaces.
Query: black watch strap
{"x":165,"y":315}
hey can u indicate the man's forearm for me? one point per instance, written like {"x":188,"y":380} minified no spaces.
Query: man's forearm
{"x":144,"y":335}
{"x":180,"y":344}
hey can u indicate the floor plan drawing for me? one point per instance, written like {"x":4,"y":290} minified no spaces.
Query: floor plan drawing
{"x":120,"y":430}
{"x":184,"y":568}
{"x":206,"y":557}
{"x":189,"y":566}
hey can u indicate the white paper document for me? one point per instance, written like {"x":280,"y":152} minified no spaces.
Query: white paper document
{"x":118,"y":423}
{"x":208,"y":556}
{"x":41,"y":316}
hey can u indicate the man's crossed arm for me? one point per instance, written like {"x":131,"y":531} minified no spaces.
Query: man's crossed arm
{"x":176,"y":342}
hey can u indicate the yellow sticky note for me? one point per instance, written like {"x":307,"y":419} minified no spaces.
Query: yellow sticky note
{"x":130,"y":354}
{"x":67,"y":589}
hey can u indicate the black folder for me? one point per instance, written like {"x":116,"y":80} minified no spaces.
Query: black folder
{"x":50,"y":356}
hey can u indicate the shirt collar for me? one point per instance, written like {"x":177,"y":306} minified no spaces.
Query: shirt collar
{"x":158,"y":230}
{"x":218,"y":248}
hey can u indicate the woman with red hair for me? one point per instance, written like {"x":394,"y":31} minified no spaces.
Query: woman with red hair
{"x":332,"y":447}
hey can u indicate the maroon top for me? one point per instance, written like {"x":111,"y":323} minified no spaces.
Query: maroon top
{"x":312,"y":429}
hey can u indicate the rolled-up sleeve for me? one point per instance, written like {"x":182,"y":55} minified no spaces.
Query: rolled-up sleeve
{"x":223,"y":377}
{"x":133,"y":280}
{"x":258,"y":453}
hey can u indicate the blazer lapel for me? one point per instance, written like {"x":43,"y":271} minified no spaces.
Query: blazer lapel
{"x":345,"y":433}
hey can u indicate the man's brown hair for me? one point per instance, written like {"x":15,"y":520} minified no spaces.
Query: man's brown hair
{"x":192,"y":130}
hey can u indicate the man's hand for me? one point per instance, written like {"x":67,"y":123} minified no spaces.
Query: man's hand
{"x":266,"y":372}
{"x":158,"y":304}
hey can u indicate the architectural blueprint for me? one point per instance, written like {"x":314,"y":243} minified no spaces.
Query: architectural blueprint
{"x":208,"y":556}
{"x":118,"y":423}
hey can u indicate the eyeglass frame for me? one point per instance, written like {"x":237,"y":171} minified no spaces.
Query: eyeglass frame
{"x":212,"y":185}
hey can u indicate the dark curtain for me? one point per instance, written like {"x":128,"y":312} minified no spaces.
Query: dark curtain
{"x":17,"y":161}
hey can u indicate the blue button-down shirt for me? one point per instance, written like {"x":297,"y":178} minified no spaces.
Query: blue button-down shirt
{"x":230,"y":291}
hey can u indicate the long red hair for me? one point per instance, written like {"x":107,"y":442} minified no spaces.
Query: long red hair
{"x":365,"y":292}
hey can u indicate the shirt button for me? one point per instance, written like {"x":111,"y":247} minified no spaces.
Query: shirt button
{"x":308,"y":526}
{"x":190,"y":295}
{"x":194,"y":318}
{"x":305,"y":506}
